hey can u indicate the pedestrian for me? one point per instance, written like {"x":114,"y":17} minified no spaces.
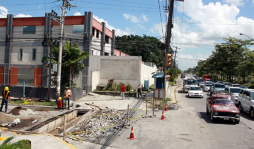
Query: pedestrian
{"x":67,"y":96}
{"x":6,"y":98}
{"x":139,"y":90}
{"x":122,"y":91}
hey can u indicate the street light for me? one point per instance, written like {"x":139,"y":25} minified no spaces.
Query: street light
{"x":246,"y":35}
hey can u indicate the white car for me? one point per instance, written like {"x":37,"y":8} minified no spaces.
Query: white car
{"x":207,"y":86}
{"x":195,"y":91}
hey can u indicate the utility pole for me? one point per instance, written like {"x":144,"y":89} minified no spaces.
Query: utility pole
{"x":66,"y":4}
{"x":168,"y":38}
{"x":175,"y":56}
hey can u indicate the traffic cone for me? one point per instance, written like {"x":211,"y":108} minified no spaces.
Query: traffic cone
{"x":132,"y":134}
{"x":166,"y":109}
{"x":162,"y":117}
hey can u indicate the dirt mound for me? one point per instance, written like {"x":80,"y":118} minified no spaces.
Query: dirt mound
{"x":16,"y":110}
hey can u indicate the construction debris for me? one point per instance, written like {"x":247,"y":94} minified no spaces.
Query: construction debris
{"x":103,"y":124}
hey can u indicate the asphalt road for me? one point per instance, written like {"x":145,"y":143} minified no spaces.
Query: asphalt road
{"x":225,"y":133}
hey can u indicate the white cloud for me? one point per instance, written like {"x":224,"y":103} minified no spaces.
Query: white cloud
{"x":3,"y":12}
{"x":235,"y":2}
{"x":144,"y":18}
{"x":118,"y":32}
{"x":188,"y":60}
{"x":141,"y":26}
{"x":22,"y":15}
{"x":132,"y":18}
{"x":77,"y":14}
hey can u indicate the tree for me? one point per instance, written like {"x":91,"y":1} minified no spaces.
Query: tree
{"x":71,"y":62}
{"x":145,"y":46}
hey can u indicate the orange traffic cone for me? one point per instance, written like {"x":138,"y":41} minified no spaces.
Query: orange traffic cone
{"x":132,"y":134}
{"x":166,"y":109}
{"x":162,"y":117}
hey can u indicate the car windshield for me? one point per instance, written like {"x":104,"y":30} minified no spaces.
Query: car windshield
{"x":236,"y":85}
{"x":222,"y":100}
{"x":243,"y":87}
{"x":199,"y":81}
{"x":219,"y":86}
{"x":195,"y":88}
{"x":191,"y":82}
{"x":235,"y":90}
{"x":208,"y":85}
{"x":228,"y":84}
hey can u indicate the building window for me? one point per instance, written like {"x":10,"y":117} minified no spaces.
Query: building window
{"x":97,"y":33}
{"x":34,"y":54}
{"x":93,"y":31}
{"x":107,"y":39}
{"x":29,"y":29}
{"x":78,"y":28}
{"x":27,"y":75}
{"x":20,"y":54}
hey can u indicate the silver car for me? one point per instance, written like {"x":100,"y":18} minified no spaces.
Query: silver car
{"x":207,"y":87}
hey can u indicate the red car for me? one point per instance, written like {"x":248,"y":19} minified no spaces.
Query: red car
{"x":221,"y":106}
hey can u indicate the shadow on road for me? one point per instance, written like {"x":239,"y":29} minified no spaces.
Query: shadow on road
{"x":246,"y":115}
{"x":206,"y":117}
{"x":180,"y":91}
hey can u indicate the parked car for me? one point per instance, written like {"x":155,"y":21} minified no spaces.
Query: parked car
{"x":234,"y":92}
{"x":217,"y":87}
{"x":207,"y":86}
{"x":246,"y":101}
{"x":221,"y":106}
{"x":227,"y":84}
{"x":195,"y":91}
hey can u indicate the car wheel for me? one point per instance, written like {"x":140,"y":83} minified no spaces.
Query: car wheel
{"x":251,"y":113}
{"x":237,"y":121}
{"x":240,"y":107}
{"x":207,"y":112}
{"x":211,"y":117}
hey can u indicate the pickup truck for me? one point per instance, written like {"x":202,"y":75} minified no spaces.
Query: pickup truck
{"x":246,"y":101}
{"x":221,"y":106}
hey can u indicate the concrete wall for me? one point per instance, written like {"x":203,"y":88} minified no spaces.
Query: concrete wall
{"x":27,"y":55}
{"x":95,"y":79}
{"x":2,"y":49}
{"x":2,"y":33}
{"x":146,"y":74}
{"x":122,"y":69}
{"x":19,"y":36}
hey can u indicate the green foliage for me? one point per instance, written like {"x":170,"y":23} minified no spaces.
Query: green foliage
{"x":22,"y":144}
{"x":145,"y":46}
{"x":229,"y":61}
{"x":151,"y":86}
{"x":71,"y":63}
{"x":128,"y":87}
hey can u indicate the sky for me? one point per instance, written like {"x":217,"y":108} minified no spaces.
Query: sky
{"x":198,"y":25}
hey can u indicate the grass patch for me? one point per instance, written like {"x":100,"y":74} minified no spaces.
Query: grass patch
{"x":42,"y":103}
{"x":172,"y":83}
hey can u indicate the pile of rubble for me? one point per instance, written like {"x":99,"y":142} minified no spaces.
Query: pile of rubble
{"x":101,"y":124}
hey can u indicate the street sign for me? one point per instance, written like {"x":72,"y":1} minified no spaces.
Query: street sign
{"x":158,"y":93}
{"x":55,"y":67}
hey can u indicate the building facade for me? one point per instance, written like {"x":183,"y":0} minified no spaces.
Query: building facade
{"x":21,"y":49}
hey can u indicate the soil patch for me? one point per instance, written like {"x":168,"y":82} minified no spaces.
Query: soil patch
{"x":24,"y":123}
{"x":16,"y":110}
